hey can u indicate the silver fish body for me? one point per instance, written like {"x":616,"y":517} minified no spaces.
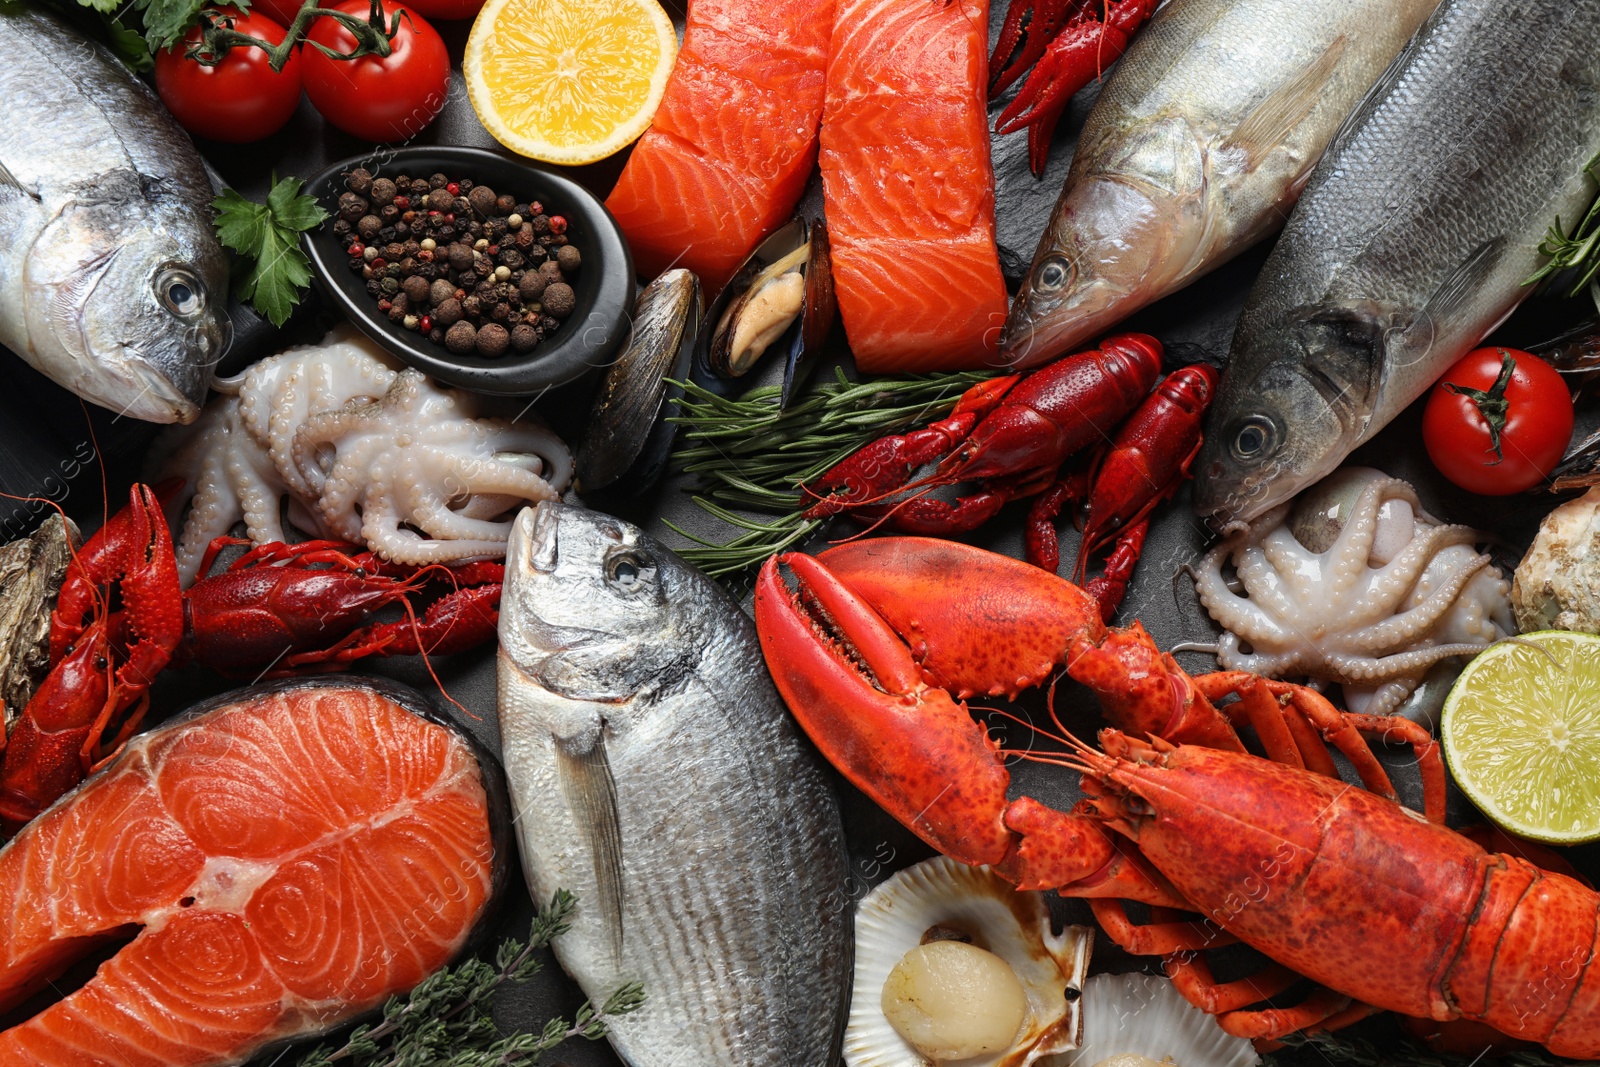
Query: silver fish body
{"x":112,"y":281}
{"x":1411,"y":243}
{"x":1195,"y":150}
{"x":656,"y":773}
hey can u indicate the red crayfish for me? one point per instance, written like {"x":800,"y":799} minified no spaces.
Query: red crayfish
{"x":121,"y":618}
{"x":1012,"y":436}
{"x":1383,"y":908}
{"x":1068,"y":43}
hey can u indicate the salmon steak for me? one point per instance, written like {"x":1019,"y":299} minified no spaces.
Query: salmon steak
{"x":908,"y":185}
{"x":732,"y":144}
{"x":284,"y":859}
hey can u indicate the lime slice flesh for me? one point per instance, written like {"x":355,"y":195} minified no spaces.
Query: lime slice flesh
{"x":1521,"y":733}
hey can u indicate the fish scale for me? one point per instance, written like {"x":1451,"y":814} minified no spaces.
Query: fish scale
{"x":657,"y":775}
{"x":1411,"y":242}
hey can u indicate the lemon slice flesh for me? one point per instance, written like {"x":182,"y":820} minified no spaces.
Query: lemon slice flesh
{"x":568,"y":81}
{"x":1521,"y":733}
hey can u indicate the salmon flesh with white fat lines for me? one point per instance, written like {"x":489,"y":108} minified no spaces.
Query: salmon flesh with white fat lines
{"x":1413,"y":241}
{"x":1195,"y":150}
{"x":655,"y":772}
{"x":112,"y":281}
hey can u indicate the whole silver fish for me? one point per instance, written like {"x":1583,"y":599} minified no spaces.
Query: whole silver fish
{"x":1195,"y":150}
{"x":112,"y":282}
{"x":1411,"y":243}
{"x":656,"y":773}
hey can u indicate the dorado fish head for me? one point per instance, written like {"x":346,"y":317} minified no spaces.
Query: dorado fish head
{"x":126,"y":306}
{"x":593,"y":608}
{"x":1121,"y":236}
{"x":1290,"y":410}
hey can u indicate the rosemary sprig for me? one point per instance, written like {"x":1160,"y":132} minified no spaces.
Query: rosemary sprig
{"x":1341,"y":1048}
{"x":751,"y":455}
{"x":446,"y":1021}
{"x":1579,"y":250}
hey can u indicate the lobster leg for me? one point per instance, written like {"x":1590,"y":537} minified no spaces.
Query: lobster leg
{"x":1110,"y":587}
{"x":1040,"y":545}
{"x":1192,"y":976}
{"x":454,"y":623}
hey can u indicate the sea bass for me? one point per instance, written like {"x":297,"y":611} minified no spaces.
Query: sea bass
{"x":1196,"y":149}
{"x":655,"y":772}
{"x":1412,"y":242}
{"x":112,"y":282}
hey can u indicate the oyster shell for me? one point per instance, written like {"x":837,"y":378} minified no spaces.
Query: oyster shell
{"x":31,"y":571}
{"x":1148,"y":1017}
{"x":951,"y":899}
{"x":628,"y":438}
{"x":1557,"y":585}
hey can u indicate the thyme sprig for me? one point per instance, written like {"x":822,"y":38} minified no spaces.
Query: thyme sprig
{"x":1578,"y":251}
{"x":1359,"y":1052}
{"x":446,"y":1021}
{"x":752,"y":455}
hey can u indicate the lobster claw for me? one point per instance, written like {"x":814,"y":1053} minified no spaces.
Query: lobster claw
{"x":857,"y":692}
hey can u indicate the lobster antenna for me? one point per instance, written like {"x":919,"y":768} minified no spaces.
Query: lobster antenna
{"x":886,"y":516}
{"x":427,"y":661}
{"x":100,"y":460}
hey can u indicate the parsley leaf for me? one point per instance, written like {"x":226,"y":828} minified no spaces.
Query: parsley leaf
{"x":166,"y":21}
{"x":267,"y":238}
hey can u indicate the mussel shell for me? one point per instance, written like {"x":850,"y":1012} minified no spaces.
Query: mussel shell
{"x":800,"y":342}
{"x":628,"y":438}
{"x":816,"y":319}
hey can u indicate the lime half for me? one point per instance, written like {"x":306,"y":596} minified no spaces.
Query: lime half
{"x":1521,"y":732}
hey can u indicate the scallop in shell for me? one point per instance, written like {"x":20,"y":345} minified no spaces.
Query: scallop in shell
{"x":1147,"y":1016}
{"x":941,"y":900}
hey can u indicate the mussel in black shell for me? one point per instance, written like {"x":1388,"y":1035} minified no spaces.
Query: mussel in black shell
{"x":780,"y":300}
{"x":628,"y":438}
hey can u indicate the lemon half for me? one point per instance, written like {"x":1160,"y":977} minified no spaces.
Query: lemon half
{"x":568,"y":81}
{"x":1521,"y":733}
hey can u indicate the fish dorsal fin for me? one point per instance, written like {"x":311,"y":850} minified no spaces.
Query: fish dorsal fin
{"x":591,"y":792}
{"x":1271,"y":122}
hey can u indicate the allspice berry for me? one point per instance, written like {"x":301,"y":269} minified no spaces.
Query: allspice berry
{"x":568,"y":258}
{"x":524,"y":338}
{"x":441,"y":200}
{"x":492,"y":340}
{"x":369,"y":226}
{"x":532,"y":286}
{"x":383,"y":191}
{"x":482,"y":199}
{"x":359,"y":181}
{"x":559,"y":299}
{"x":440,"y":291}
{"x":461,"y":338}
{"x":460,"y":256}
{"x":447,"y":312}
{"x":416,"y":290}
{"x":552,"y":271}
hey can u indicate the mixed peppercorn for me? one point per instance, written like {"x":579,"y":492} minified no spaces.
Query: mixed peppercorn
{"x":480,"y":273}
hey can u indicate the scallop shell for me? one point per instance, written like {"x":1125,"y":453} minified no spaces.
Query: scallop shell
{"x":1014,"y":925}
{"x":1146,"y":1015}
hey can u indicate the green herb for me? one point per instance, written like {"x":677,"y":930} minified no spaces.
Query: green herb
{"x":751,"y":455}
{"x":445,"y":1021}
{"x":1340,"y":1048}
{"x":166,"y":21}
{"x":129,"y":45}
{"x":1578,"y":251}
{"x":267,"y":237}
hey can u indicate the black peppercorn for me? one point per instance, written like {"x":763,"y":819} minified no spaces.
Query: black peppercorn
{"x":389,"y":214}
{"x":505,"y":204}
{"x":540,"y":224}
{"x":438,"y":181}
{"x":393,"y":250}
{"x":341,"y":227}
{"x":436,"y":335}
{"x":472,"y":307}
{"x":389,"y":285}
{"x":548,"y":325}
{"x":420,"y":187}
{"x":373,"y":288}
{"x":500,"y":312}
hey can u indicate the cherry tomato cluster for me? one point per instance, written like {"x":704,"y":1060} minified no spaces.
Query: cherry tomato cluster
{"x":1498,"y":422}
{"x":377,"y":98}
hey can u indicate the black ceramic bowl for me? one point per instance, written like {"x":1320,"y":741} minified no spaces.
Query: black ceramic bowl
{"x":604,"y":286}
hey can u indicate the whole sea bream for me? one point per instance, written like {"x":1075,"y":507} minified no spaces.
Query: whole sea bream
{"x":1195,"y":150}
{"x":1411,"y":243}
{"x":655,"y":772}
{"x":112,"y":282}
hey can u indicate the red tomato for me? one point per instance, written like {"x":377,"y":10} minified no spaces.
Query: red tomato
{"x":1531,"y":407}
{"x":447,"y":9}
{"x":240,"y":99}
{"x":379,"y":98}
{"x":281,"y":11}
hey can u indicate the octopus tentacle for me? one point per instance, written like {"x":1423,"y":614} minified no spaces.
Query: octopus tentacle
{"x":1415,"y":624}
{"x":1391,"y":584}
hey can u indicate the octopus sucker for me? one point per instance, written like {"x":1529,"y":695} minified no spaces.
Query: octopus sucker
{"x":1355,"y":583}
{"x":356,"y":447}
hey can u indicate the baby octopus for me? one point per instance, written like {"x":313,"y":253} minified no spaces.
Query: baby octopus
{"x":1352,"y":582}
{"x":362,"y":451}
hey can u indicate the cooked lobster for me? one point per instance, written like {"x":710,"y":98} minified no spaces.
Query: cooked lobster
{"x":1386,"y":909}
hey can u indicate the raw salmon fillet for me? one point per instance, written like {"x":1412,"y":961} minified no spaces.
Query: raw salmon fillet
{"x":731,"y":147}
{"x":292,"y":860}
{"x":908,"y":185}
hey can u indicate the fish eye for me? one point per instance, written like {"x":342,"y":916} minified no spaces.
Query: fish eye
{"x":180,"y":292}
{"x":1255,"y":437}
{"x":1053,"y":273}
{"x":627,"y":571}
